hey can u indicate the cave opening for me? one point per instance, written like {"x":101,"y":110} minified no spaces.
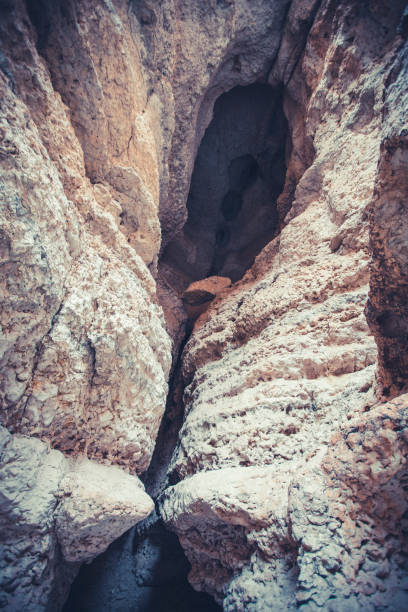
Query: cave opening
{"x":238,"y":175}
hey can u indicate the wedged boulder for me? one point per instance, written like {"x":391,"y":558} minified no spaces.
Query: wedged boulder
{"x":97,"y":504}
{"x":54,"y":514}
{"x":198,"y":295}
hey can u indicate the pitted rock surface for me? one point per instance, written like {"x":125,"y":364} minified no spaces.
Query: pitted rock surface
{"x":287,"y":486}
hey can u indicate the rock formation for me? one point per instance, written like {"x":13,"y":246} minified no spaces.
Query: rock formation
{"x":146,"y":146}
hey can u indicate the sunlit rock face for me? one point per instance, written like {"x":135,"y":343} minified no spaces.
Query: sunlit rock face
{"x":85,"y":354}
{"x":147,"y":145}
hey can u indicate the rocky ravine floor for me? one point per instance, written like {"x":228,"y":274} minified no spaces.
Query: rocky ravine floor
{"x":287,"y":486}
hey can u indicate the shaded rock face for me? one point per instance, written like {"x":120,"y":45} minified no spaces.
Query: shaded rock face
{"x":141,"y":571}
{"x":238,"y":175}
{"x":215,"y":136}
{"x":387,"y":307}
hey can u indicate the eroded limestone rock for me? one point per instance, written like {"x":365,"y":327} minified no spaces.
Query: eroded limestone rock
{"x":282,"y":502}
{"x":84,"y":354}
{"x":55,"y":513}
{"x":331,"y":534}
{"x":275,"y":369}
{"x":97,"y":504}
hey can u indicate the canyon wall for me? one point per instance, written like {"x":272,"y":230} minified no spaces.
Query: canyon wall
{"x":288,"y":481}
{"x":291,"y":466}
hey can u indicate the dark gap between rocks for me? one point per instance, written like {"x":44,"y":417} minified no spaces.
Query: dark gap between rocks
{"x":146,"y":569}
{"x":140,"y":572}
{"x":232,"y":214}
{"x":238,"y":176}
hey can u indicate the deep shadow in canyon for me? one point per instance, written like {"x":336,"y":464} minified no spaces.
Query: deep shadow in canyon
{"x":238,"y":176}
{"x":146,"y":569}
{"x":139,"y":572}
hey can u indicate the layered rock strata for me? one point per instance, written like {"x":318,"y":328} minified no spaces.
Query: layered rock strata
{"x":331,"y":534}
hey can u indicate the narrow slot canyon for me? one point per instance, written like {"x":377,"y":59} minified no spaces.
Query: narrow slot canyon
{"x":203,"y":256}
{"x":238,"y":175}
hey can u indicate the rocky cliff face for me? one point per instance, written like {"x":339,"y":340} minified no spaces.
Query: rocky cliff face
{"x":288,"y":477}
{"x":280,"y":502}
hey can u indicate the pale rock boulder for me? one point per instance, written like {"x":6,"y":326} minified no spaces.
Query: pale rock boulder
{"x":55,"y":513}
{"x":29,"y":551}
{"x":97,"y":504}
{"x":330,"y":534}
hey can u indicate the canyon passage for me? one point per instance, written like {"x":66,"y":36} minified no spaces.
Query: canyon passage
{"x":204,"y":305}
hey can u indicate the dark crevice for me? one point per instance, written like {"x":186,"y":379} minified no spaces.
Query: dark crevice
{"x":232,"y":213}
{"x":39,"y":13}
{"x":156,"y":478}
{"x":146,"y":569}
{"x":138,"y":573}
{"x":299,"y":49}
{"x":238,"y":176}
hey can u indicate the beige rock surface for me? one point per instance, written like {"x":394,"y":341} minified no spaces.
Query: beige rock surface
{"x":291,"y":476}
{"x":328,"y":534}
{"x":54,"y":513}
{"x":98,"y":503}
{"x":84,"y":356}
{"x":276,"y":367}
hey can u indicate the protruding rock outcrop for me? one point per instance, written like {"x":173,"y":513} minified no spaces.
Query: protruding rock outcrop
{"x":56,"y":513}
{"x":199,"y":295}
{"x":331,"y":534}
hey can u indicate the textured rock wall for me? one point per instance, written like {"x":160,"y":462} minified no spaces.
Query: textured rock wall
{"x":103,"y":107}
{"x":331,"y":534}
{"x":288,"y":461}
{"x":387,"y":306}
{"x":281,"y":501}
{"x":84,"y":351}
